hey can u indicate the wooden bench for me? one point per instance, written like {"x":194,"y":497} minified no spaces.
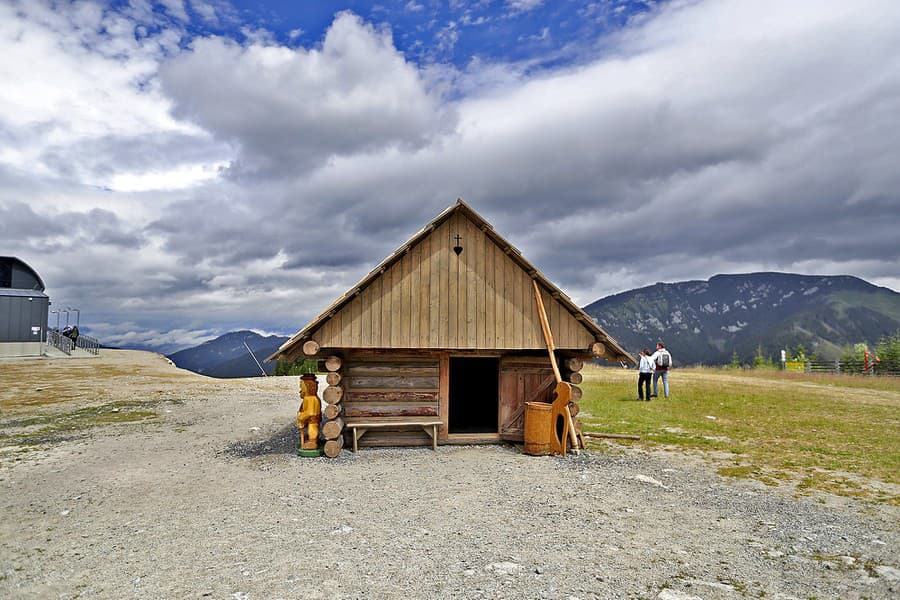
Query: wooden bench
{"x":428,"y":424}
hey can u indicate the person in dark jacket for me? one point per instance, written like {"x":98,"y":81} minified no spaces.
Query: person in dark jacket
{"x":71,"y":332}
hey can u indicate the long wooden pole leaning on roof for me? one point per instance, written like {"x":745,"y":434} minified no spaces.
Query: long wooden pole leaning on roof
{"x":563,"y":389}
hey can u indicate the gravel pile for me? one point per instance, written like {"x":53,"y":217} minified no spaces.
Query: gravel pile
{"x":212,"y":502}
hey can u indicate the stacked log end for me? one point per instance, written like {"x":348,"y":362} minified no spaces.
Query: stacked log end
{"x":576,"y":393}
{"x":333,"y":427}
{"x":574,"y":378}
{"x":310,"y":347}
{"x":332,"y":411}
{"x":572,"y":373}
{"x":573,"y":364}
{"x":333,"y":447}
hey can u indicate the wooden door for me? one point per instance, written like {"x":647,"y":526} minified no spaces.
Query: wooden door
{"x":522,"y":379}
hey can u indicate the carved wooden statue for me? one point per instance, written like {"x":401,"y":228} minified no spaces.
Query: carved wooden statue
{"x":310,"y":414}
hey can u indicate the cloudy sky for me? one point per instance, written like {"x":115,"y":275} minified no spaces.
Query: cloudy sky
{"x":183,"y":168}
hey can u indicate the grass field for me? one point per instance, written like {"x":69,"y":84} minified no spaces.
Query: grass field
{"x":834,"y":433}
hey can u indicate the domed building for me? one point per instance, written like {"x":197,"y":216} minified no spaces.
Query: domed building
{"x":23,"y":309}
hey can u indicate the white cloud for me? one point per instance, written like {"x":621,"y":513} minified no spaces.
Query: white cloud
{"x":80,"y":75}
{"x":524,"y":5}
{"x":180,"y":177}
{"x":213,"y":12}
{"x":134,"y":334}
{"x":176,"y":9}
{"x":294,"y":109}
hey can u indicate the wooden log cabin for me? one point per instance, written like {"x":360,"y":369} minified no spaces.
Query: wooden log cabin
{"x":442,"y":341}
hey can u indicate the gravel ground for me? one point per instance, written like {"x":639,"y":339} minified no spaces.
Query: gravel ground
{"x":210,"y":501}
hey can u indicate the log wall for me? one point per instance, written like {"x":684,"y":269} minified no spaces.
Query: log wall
{"x":382,"y":385}
{"x":387,"y":386}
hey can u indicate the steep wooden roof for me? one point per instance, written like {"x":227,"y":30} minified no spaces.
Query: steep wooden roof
{"x":425,"y":296}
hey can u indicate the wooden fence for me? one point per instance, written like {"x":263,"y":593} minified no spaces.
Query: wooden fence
{"x":853,"y":367}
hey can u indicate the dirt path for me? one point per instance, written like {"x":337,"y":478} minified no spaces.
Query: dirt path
{"x":207,"y":500}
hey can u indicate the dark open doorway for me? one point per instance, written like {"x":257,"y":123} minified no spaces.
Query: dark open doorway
{"x":473,"y":395}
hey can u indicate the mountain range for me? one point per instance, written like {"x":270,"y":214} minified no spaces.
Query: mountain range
{"x":226,"y":356}
{"x":701,"y":322}
{"x":705,"y":322}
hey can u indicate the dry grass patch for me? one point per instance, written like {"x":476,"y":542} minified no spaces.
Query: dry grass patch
{"x":58,"y":426}
{"x":44,"y":401}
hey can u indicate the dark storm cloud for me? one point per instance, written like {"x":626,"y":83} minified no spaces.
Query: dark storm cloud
{"x":238,"y":224}
{"x":19,"y":221}
{"x":102,"y":157}
{"x":49,"y":232}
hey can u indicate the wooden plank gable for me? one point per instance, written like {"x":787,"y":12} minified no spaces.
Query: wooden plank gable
{"x":432,"y":298}
{"x":425,"y":296}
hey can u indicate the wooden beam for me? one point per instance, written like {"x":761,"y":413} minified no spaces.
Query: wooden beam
{"x":563,"y":389}
{"x":616,"y":436}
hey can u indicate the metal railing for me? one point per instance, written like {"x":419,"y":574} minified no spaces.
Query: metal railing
{"x":64,"y":344}
{"x":60,"y":342}
{"x":89,"y":344}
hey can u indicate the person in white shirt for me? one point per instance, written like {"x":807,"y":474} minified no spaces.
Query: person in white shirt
{"x":646,"y":371}
{"x":662,"y":362}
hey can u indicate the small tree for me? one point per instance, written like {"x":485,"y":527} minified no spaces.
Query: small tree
{"x":760,"y":360}
{"x":854,"y":353}
{"x":735,"y":360}
{"x":888,"y":348}
{"x":299,"y":366}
